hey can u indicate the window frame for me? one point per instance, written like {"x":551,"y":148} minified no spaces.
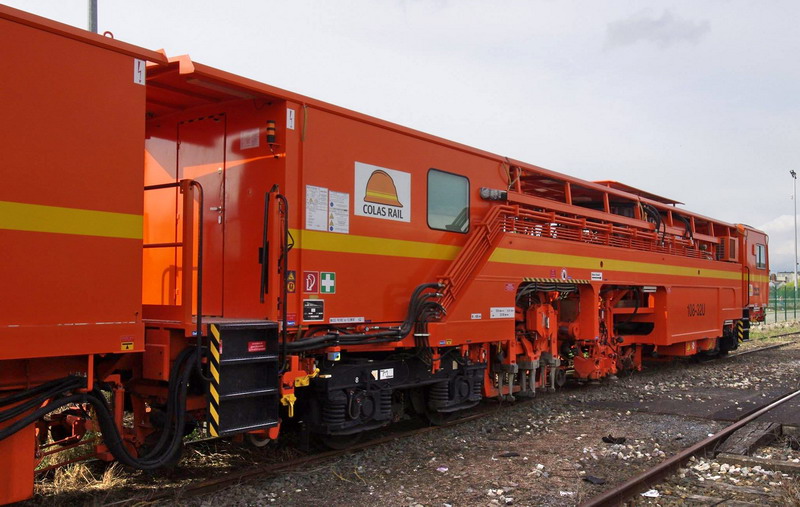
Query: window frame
{"x":761,"y":256}
{"x":428,"y":200}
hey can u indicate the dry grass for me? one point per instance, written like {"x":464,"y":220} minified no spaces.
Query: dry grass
{"x":81,"y":478}
{"x":790,"y":493}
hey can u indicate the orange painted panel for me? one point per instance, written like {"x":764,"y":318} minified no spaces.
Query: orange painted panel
{"x":73,"y":141}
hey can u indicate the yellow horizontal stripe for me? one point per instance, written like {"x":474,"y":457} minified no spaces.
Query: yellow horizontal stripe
{"x":351,"y":243}
{"x":524,"y":257}
{"x":18,"y":216}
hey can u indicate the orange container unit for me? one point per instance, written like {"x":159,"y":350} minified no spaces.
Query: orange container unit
{"x":70,"y":212}
{"x":71,"y":202}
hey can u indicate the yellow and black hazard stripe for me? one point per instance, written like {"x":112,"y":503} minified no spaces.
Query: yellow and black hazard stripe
{"x":556,"y":280}
{"x":213,"y":387}
{"x":740,"y":330}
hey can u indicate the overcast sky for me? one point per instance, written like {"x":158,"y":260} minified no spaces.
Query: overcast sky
{"x":696,"y":101}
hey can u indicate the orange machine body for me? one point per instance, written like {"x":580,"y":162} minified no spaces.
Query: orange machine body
{"x":204,"y":249}
{"x":361,"y":212}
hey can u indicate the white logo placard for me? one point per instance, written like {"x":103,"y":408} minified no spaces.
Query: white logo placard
{"x":382,"y":193}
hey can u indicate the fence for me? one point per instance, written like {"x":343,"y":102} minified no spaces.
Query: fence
{"x":783,"y":304}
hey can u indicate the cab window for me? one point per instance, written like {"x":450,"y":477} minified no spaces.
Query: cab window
{"x":448,"y":201}
{"x":761,"y":256}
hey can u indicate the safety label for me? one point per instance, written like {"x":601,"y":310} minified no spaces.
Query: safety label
{"x":257,"y":346}
{"x":313,"y":309}
{"x":327,"y":210}
{"x":327,"y":283}
{"x":249,"y":139}
{"x":126,"y":346}
{"x":339,"y":212}
{"x":139,"y":71}
{"x":311,"y":282}
{"x":291,"y":282}
{"x":316,"y":208}
{"x":290,"y":114}
{"x":382,"y":193}
{"x":502,"y":312}
{"x":597,"y":276}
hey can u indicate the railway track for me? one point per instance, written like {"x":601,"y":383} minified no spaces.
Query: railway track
{"x":207,"y":486}
{"x":644,"y":480}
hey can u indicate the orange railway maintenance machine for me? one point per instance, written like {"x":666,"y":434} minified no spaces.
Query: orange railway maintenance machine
{"x":206,"y":251}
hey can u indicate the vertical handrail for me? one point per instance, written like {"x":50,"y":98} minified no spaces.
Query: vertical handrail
{"x":186,"y":188}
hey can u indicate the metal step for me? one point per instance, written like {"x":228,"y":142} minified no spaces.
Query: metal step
{"x":244,"y":393}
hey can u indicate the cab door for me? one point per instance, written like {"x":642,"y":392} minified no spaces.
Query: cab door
{"x":201,"y":157}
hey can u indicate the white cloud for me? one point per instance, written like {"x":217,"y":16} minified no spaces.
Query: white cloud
{"x":665,"y":31}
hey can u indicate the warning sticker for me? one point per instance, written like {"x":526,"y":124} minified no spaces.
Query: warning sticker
{"x":316,"y":208}
{"x":313,"y":309}
{"x":248,"y":139}
{"x":311,"y":282}
{"x":338,"y":212}
{"x":126,"y":346}
{"x":291,"y":282}
{"x":327,"y":210}
{"x":258,"y":346}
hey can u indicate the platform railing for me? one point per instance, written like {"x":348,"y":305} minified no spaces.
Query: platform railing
{"x":183,"y":311}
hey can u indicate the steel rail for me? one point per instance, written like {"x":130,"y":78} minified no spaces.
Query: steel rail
{"x":644,"y":480}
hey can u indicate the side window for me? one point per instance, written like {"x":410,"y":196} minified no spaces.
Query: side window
{"x":448,"y":201}
{"x":761,"y":256}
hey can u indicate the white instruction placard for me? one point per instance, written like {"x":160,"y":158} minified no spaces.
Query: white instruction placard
{"x":339,"y":212}
{"x":502,"y":312}
{"x":316,"y":208}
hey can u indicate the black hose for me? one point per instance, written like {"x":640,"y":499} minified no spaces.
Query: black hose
{"x":29,"y":393}
{"x":171,"y":437}
{"x":415,"y":304}
{"x":17,"y":410}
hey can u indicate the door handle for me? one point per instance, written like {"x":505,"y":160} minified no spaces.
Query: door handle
{"x":215,"y":208}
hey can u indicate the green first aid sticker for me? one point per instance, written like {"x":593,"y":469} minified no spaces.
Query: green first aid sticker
{"x":327,"y":283}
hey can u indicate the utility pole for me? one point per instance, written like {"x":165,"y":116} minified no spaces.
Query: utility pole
{"x":93,"y":16}
{"x":794,"y":198}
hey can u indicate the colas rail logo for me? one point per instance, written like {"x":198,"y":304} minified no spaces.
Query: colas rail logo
{"x":382,"y":193}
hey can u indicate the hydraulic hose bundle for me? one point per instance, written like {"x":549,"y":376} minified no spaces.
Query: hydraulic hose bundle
{"x":56,"y":393}
{"x":420,"y":310}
